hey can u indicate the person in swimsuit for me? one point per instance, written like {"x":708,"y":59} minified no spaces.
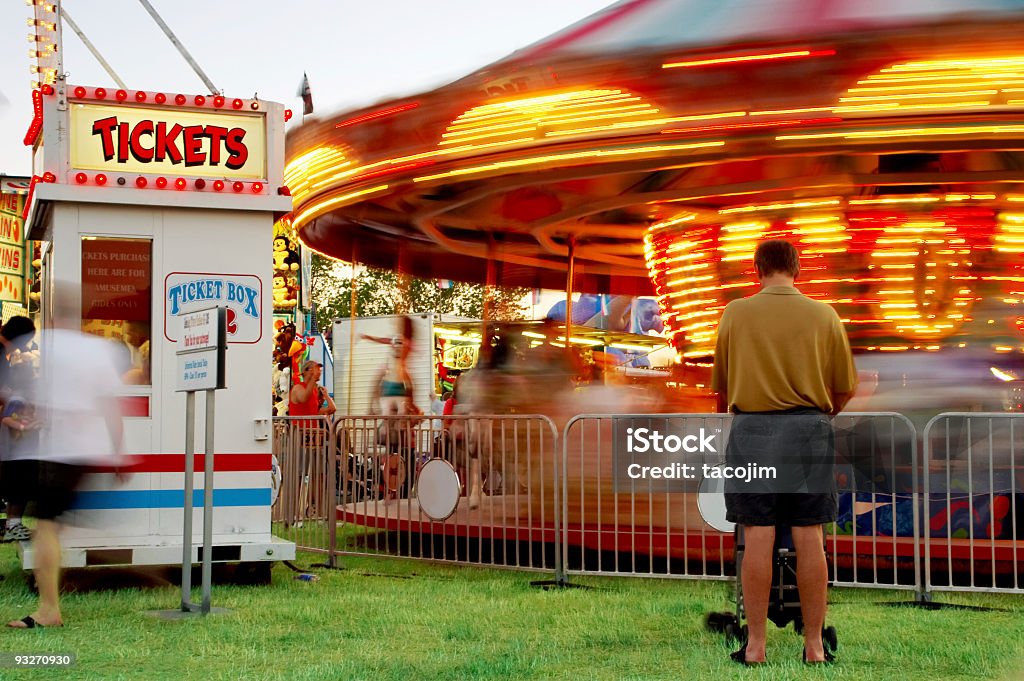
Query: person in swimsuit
{"x":395,"y":387}
{"x":395,"y":390}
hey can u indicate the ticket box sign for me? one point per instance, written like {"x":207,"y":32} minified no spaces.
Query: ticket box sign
{"x":240,"y":294}
{"x":200,"y":356}
{"x":171,"y":141}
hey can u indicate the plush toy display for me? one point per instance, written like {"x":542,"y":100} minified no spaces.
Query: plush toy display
{"x":281,"y":253}
{"x":292,"y":259}
{"x":280,"y":292}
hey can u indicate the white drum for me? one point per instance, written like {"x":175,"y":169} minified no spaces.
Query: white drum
{"x":438,"y":489}
{"x":711,"y":504}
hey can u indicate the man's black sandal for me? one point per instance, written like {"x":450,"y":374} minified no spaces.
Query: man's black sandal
{"x":30,"y":623}
{"x":829,"y":658}
{"x":741,"y":657}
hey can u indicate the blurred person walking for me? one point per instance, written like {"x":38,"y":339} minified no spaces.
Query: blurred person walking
{"x":15,"y":336}
{"x":783,"y":365}
{"x":76,"y":399}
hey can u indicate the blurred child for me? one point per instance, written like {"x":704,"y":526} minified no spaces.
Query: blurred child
{"x":19,"y":440}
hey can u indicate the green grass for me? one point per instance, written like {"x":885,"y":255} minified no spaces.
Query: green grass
{"x":404,"y":620}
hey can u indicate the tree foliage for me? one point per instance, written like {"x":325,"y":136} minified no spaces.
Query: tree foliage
{"x":383,"y":292}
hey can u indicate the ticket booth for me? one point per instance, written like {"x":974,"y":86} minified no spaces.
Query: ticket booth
{"x":151,"y":205}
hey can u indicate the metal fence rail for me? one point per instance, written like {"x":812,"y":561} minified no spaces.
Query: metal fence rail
{"x":304,"y":507}
{"x":947,"y":520}
{"x":608,"y":530}
{"x":645,"y":531}
{"x":505,"y":511}
{"x":875,"y":541}
{"x":972,"y":484}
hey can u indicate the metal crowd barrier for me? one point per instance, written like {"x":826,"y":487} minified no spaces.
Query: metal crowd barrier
{"x":643,"y":530}
{"x":505,"y":512}
{"x":972,"y":483}
{"x":949,"y":521}
{"x":875,"y":541}
{"x":636,"y":531}
{"x":305,"y":477}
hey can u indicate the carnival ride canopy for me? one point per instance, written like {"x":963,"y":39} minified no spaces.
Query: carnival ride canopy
{"x":658,"y":141}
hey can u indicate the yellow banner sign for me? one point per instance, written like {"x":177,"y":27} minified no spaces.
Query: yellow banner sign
{"x":11,"y":203}
{"x":11,"y":229}
{"x":134,"y":139}
{"x":11,"y":259}
{"x":12,"y":289}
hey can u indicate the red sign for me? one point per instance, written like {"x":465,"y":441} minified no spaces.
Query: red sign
{"x":116,"y":279}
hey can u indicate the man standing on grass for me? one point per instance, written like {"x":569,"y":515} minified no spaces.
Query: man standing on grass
{"x":783,"y":365}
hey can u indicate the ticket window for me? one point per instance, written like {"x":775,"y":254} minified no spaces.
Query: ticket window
{"x":117,"y":300}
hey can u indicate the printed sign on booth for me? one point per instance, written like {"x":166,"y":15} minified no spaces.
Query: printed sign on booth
{"x":116,"y":275}
{"x":12,"y":246}
{"x":137,"y":139}
{"x":242,"y":294}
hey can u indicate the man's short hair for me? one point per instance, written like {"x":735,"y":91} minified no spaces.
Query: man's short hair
{"x":18,"y":327}
{"x":776,"y":255}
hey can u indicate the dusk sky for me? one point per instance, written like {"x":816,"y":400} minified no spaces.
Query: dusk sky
{"x":355,"y":52}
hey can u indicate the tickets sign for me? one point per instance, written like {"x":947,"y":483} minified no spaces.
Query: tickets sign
{"x":137,"y":139}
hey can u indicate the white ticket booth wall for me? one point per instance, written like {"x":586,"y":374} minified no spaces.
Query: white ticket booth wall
{"x":150,"y":211}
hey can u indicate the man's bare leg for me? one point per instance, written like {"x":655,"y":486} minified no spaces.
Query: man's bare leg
{"x":46,"y":547}
{"x":812,"y":581}
{"x":756,"y":576}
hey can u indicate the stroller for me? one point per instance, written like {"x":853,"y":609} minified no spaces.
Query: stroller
{"x":784,"y":603}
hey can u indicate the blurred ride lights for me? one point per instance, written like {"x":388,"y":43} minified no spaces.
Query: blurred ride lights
{"x":903,"y":272}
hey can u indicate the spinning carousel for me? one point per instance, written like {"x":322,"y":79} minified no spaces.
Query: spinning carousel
{"x":650,"y":147}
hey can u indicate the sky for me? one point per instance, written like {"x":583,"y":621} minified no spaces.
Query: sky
{"x":356,"y":52}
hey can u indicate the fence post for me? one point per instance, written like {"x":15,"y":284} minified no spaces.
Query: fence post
{"x":331,"y":519}
{"x":924,"y":593}
{"x":561,"y":578}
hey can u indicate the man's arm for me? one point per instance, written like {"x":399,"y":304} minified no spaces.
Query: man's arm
{"x":722,"y":401}
{"x":844,"y":373}
{"x":840,"y":400}
{"x":329,"y":408}
{"x":720,"y":370}
{"x":302,"y":392}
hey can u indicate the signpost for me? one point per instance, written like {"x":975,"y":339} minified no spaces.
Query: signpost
{"x":200,"y":366}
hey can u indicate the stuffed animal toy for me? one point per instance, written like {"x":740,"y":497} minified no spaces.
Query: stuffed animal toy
{"x":280,"y":292}
{"x":281,"y":253}
{"x":292,"y":261}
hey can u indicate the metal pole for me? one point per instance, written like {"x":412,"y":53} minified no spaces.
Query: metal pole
{"x":186,"y":540}
{"x":351,"y":334}
{"x":332,"y":492}
{"x":92,"y":48}
{"x":488,"y":312}
{"x":181,"y":48}
{"x":208,"y":503}
{"x":59,"y":81}
{"x":569,"y":285}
